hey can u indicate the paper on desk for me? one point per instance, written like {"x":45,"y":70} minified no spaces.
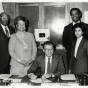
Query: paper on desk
{"x":15,"y":80}
{"x":39,"y":80}
{"x":5,"y":76}
{"x":21,"y":75}
{"x":70,"y":84}
{"x":68,"y":77}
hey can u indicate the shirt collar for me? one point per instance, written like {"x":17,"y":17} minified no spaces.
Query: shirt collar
{"x":48,"y":57}
{"x":3,"y":26}
{"x":79,"y":39}
{"x":76,"y":22}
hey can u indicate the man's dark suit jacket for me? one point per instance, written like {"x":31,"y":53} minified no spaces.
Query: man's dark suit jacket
{"x":68,"y":37}
{"x":4,"y":54}
{"x":80,"y":64}
{"x":39,"y":63}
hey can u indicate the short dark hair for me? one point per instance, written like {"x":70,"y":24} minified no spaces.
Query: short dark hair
{"x":83,"y":28}
{"x":20,"y":18}
{"x":77,"y":9}
{"x":49,"y":43}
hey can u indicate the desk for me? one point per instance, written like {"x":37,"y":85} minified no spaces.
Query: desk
{"x":58,"y":51}
{"x":81,"y":79}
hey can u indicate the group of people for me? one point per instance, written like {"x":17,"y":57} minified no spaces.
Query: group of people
{"x":18,"y":50}
{"x":75,"y":41}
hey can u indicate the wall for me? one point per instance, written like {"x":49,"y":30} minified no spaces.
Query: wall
{"x":12,"y":10}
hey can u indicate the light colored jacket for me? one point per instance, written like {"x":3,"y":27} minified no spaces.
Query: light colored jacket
{"x":17,"y":51}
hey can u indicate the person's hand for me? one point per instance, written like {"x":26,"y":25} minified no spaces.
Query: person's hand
{"x":28,"y":62}
{"x":22,"y":62}
{"x":44,"y":76}
{"x":32,"y":76}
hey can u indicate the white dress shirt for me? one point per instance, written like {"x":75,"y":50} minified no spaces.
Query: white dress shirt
{"x":46,"y":62}
{"x":77,"y":45}
{"x":76,"y":22}
{"x":3,"y":27}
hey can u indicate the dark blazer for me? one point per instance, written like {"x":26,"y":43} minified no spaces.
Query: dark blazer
{"x":4,"y":54}
{"x":68,"y":37}
{"x":80,"y":64}
{"x":39,"y":63}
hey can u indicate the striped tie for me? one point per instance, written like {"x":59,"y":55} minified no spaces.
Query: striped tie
{"x":7,"y":33}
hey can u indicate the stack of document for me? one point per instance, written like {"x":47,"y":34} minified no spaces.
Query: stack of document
{"x":15,"y":80}
{"x":68,"y":77}
{"x":70,"y":80}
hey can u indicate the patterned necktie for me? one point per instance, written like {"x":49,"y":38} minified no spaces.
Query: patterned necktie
{"x":48,"y":66}
{"x":7,"y":33}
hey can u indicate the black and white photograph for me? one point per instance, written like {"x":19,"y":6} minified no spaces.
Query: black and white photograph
{"x":44,"y":43}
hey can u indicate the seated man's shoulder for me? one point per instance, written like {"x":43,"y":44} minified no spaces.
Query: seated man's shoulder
{"x":57,"y":55}
{"x":39,"y":57}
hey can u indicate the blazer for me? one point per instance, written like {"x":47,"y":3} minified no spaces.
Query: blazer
{"x":4,"y":54}
{"x":80,"y":64}
{"x":16,"y":49}
{"x":39,"y":63}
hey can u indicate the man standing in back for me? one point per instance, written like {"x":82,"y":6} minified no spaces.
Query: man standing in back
{"x":5,"y":31}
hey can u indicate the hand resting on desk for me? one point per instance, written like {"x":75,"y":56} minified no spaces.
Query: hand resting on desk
{"x":32,"y":76}
{"x":46,"y":76}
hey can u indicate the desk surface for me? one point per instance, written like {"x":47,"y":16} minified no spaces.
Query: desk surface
{"x":80,"y":80}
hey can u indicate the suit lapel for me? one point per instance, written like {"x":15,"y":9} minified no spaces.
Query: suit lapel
{"x":73,"y":48}
{"x":2,"y":32}
{"x":80,"y":46}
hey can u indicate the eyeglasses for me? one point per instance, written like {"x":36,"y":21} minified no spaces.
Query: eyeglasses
{"x":49,"y":49}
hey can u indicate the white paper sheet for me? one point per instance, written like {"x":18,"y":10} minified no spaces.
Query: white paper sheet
{"x":39,"y":80}
{"x":68,"y":77}
{"x":15,"y":80}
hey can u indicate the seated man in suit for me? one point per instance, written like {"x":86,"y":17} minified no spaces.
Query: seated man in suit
{"x":50,"y":64}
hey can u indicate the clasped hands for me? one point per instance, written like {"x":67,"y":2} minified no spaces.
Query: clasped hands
{"x":44,"y":76}
{"x":25,"y":63}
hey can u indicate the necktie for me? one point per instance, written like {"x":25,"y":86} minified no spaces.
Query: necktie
{"x":48,"y":66}
{"x":7,"y":33}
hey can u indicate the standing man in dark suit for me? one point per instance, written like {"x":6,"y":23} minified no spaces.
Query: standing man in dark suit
{"x":50,"y":64}
{"x":68,"y":35}
{"x":5,"y":31}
